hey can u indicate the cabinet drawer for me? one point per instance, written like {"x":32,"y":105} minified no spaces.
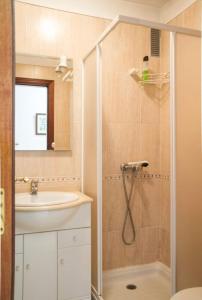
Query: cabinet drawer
{"x":19,"y":244}
{"x":75,"y":237}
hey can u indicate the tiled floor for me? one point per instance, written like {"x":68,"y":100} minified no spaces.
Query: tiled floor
{"x":149,"y":287}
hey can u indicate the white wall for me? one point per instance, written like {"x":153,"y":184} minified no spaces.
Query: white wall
{"x":109,"y":9}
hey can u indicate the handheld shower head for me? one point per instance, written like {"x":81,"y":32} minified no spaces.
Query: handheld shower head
{"x":144,"y":163}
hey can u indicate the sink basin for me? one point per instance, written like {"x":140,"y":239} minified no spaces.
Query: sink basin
{"x":48,"y":211}
{"x":44,"y":199}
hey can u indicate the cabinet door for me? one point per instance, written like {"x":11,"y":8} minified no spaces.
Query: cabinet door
{"x":40,"y":266}
{"x":74,"y":273}
{"x":18,"y":276}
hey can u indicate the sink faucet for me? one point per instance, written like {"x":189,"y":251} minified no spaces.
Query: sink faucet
{"x":34,"y":186}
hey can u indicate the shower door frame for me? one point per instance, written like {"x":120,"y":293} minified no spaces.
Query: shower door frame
{"x":173,"y":30}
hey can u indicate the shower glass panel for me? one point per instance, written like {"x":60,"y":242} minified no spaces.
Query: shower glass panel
{"x":188,"y":161}
{"x":135,"y":126}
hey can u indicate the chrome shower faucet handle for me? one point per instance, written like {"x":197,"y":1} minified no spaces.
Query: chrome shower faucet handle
{"x":34,"y":186}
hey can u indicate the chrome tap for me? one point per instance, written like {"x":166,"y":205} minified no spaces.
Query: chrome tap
{"x":34,"y":186}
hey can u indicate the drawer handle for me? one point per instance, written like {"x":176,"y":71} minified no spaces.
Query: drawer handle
{"x":62,"y":261}
{"x":74,"y":238}
{"x":17,"y":268}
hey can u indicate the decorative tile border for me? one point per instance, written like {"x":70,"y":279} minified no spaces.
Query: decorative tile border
{"x":59,"y":179}
{"x":53,"y":179}
{"x":143,"y":176}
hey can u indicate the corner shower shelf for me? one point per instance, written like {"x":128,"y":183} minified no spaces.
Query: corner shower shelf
{"x":153,"y":78}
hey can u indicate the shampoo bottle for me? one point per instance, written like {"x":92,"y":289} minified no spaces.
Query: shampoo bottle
{"x":145,"y":72}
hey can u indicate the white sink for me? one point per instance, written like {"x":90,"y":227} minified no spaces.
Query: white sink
{"x":48,"y":211}
{"x":44,"y":199}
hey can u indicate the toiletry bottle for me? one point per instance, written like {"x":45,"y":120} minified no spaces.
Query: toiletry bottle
{"x":145,"y":71}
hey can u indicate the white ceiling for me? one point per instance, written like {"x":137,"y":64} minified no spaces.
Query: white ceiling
{"x":156,"y":3}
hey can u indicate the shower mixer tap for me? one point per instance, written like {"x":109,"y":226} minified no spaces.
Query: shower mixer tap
{"x":135,"y":165}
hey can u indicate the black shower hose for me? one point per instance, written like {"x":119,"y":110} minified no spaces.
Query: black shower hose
{"x":128,"y":214}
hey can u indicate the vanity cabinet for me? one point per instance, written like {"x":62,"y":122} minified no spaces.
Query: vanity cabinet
{"x":53,"y":265}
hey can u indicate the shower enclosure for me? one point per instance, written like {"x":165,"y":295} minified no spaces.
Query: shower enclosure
{"x":129,"y":117}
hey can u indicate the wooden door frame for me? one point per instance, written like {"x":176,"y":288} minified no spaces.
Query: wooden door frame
{"x":7,"y":146}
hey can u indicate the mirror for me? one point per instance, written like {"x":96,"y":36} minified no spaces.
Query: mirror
{"x":43,"y":98}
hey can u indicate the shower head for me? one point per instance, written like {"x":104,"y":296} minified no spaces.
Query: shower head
{"x":134,"y":165}
{"x":143,"y":163}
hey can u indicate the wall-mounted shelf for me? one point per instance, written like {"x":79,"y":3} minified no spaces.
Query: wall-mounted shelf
{"x":153,"y":78}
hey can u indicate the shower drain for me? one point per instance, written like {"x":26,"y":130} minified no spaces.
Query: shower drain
{"x":131,"y":287}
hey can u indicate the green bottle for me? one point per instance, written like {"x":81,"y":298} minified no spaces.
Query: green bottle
{"x":145,"y":71}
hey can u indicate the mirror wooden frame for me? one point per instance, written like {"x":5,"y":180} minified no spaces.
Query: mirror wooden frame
{"x":50,"y":85}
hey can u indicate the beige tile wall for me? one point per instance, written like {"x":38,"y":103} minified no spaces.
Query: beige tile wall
{"x":137,"y":126}
{"x":131,"y":131}
{"x":190,"y":17}
{"x":74,"y":35}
